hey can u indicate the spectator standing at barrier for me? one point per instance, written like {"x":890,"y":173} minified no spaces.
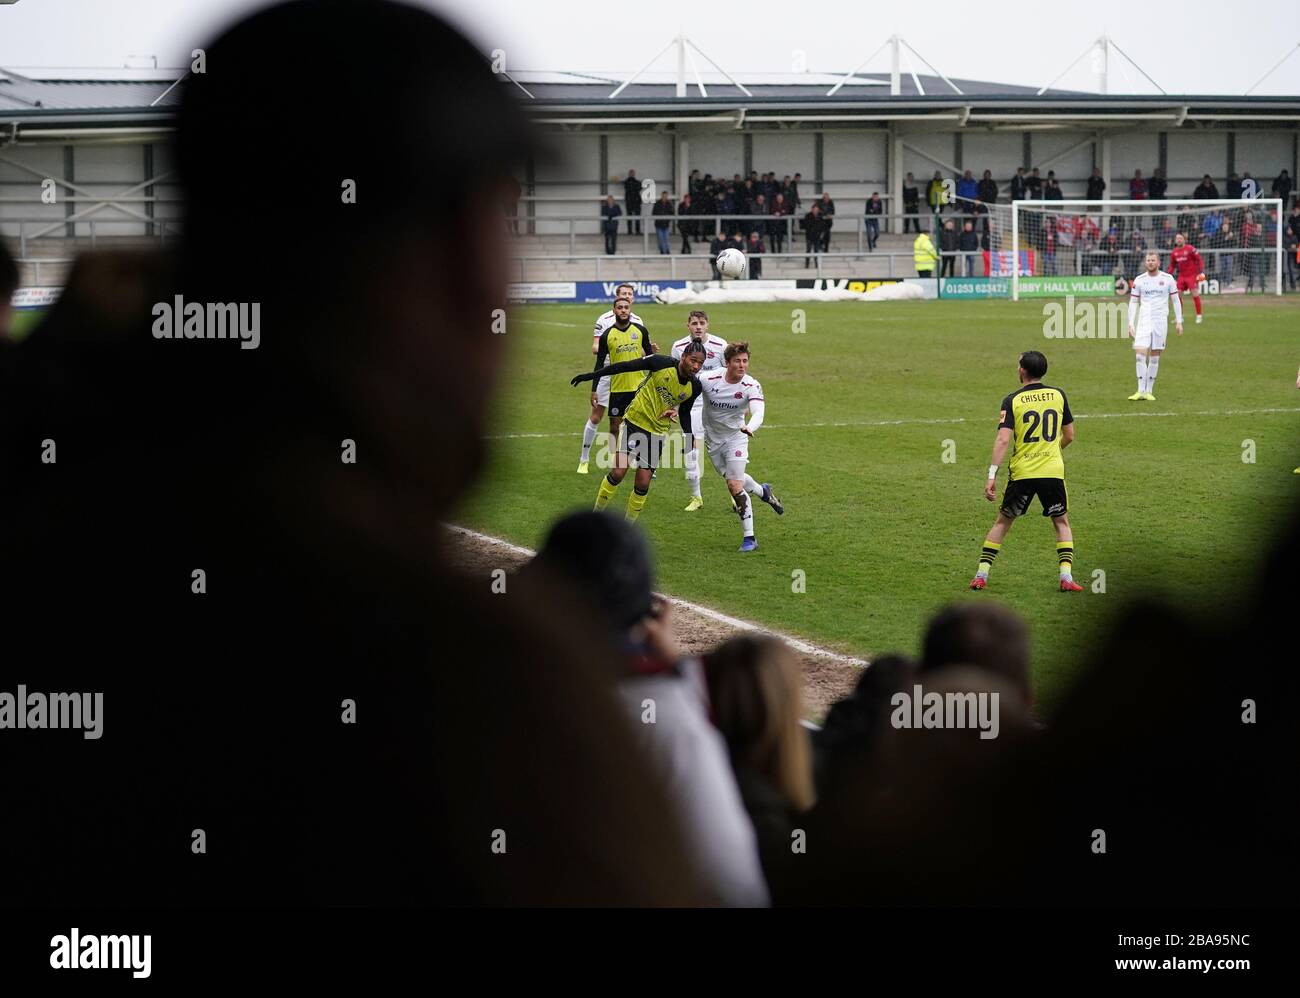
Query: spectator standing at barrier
{"x":987,"y":191}
{"x":1234,"y":186}
{"x":1291,"y":244}
{"x":924,"y":255}
{"x":1282,"y":187}
{"x":1034,"y":186}
{"x":911,"y":204}
{"x":763,"y":209}
{"x":1251,"y":240}
{"x":727,"y":208}
{"x":610,"y":212}
{"x":776,"y":227}
{"x":719,"y":243}
{"x":1019,"y":185}
{"x":754,"y":252}
{"x":1157,"y":185}
{"x":935,"y":194}
{"x":968,"y":189}
{"x":873,"y":212}
{"x":1137,"y":187}
{"x":1227,"y":264}
{"x":1053,"y":191}
{"x":707,"y":205}
{"x":1206,"y":190}
{"x":685,"y":224}
{"x":948,"y":244}
{"x":1096,"y":185}
{"x":1049,"y":247}
{"x":748,"y":194}
{"x":663,"y":212}
{"x":694,"y":184}
{"x":813,"y":230}
{"x":796,"y":202}
{"x":969,"y":244}
{"x":512,"y":192}
{"x":632,"y":199}
{"x":828,"y":220}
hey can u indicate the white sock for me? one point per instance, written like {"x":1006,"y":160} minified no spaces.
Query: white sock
{"x":692,"y":462}
{"x":746,"y":515}
{"x":752,"y":487}
{"x":1153,"y":365}
{"x":1142,"y":373}
{"x":589,"y":431}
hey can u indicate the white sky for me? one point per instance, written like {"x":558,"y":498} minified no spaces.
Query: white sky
{"x":1189,"y":46}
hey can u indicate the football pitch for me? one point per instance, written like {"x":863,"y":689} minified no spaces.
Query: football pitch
{"x":880,"y":419}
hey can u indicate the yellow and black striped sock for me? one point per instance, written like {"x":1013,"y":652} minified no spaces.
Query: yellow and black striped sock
{"x":605,"y":493}
{"x":636,"y":503}
{"x":1065,"y":555}
{"x":987,"y":557}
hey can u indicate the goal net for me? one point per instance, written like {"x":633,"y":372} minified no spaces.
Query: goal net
{"x":1240,"y":242}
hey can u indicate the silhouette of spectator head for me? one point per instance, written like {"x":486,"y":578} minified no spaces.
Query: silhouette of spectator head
{"x":984,"y":635}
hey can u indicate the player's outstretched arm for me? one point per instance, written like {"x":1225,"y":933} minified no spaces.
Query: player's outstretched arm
{"x":651,"y":362}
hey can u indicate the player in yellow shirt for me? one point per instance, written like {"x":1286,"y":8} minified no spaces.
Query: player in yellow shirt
{"x":1036,"y":425}
{"x":666,"y":392}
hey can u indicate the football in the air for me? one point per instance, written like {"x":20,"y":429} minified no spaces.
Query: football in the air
{"x":731,"y":263}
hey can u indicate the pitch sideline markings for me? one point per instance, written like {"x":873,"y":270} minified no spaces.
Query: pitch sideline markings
{"x":798,"y":644}
{"x":941,"y":422}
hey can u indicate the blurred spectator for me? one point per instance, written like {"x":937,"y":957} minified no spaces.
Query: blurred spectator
{"x":1034,"y":185}
{"x":948,"y":245}
{"x":1252,"y":233}
{"x":727,"y":208}
{"x":1227,"y":264}
{"x":1137,"y":187}
{"x":1157,"y":185}
{"x":1290,"y":245}
{"x":1110,"y":248}
{"x":1052,"y":192}
{"x":986,"y":635}
{"x":776,"y":228}
{"x":1019,"y":185}
{"x":936,"y":194}
{"x":720,"y":242}
{"x":1049,"y":247}
{"x":814,"y":229}
{"x":632,"y":199}
{"x":969,"y":244}
{"x":706,"y":204}
{"x":1096,"y":185}
{"x":988,"y":188}
{"x":8,"y":285}
{"x":694,"y":184}
{"x":792,"y":193}
{"x":608,"y":561}
{"x":828,"y":220}
{"x":754,"y":250}
{"x":754,"y":692}
{"x":511,"y":198}
{"x":760,"y":208}
{"x":1211,"y":225}
{"x":610,"y":212}
{"x":686,"y":224}
{"x":911,"y":204}
{"x":968,"y":189}
{"x":663,"y":212}
{"x":852,"y":725}
{"x":1282,"y":188}
{"x":1234,"y":186}
{"x":1206,"y":190}
{"x":875,"y":207}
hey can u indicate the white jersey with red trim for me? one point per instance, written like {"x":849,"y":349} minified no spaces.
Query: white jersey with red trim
{"x":1153,"y":292}
{"x":713,"y":348}
{"x":726,"y":402}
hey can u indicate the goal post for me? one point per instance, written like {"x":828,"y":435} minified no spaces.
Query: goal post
{"x":1240,"y":240}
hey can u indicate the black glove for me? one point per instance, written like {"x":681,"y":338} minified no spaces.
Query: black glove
{"x":581,"y":377}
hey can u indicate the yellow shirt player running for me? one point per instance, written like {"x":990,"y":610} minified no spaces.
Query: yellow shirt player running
{"x":667,"y":388}
{"x":1036,"y":424}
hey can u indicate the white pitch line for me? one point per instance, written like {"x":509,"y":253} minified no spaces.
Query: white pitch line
{"x":943,"y":422}
{"x":798,"y":644}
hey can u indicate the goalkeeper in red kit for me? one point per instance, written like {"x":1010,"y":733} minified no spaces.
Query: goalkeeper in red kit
{"x":1186,"y":263}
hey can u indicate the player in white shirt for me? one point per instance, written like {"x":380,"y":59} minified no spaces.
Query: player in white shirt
{"x":727,"y":395}
{"x":1152,"y":292}
{"x":697,"y":324}
{"x":600,"y":396}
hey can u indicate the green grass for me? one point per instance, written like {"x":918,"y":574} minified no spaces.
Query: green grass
{"x":25,"y":321}
{"x":885,"y":531}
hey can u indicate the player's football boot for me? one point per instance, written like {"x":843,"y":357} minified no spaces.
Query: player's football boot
{"x":1135,"y":397}
{"x":749,"y":544}
{"x":1198,"y":320}
{"x":1070,"y":586}
{"x":695,"y":503}
{"x":1148,"y":397}
{"x":582,"y":467}
{"x":770,"y":498}
{"x":979,"y":582}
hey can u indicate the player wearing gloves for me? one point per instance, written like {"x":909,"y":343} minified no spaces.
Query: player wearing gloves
{"x":1190,"y":268}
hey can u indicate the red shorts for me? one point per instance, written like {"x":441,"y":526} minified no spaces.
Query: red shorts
{"x":1187,"y":282}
